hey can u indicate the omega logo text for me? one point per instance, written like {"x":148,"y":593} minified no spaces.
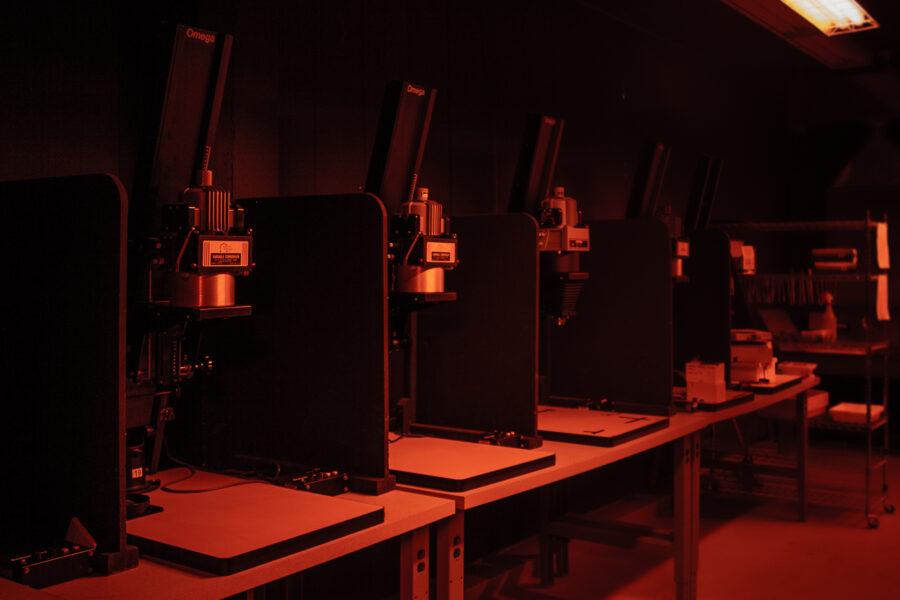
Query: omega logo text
{"x":199,"y":35}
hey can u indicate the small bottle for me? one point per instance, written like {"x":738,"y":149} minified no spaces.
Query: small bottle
{"x":829,"y":321}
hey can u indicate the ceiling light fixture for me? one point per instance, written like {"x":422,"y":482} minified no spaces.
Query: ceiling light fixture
{"x":833,"y":17}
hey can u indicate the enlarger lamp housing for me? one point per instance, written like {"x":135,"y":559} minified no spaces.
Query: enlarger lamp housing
{"x":561,"y":240}
{"x":208,"y":245}
{"x":422,"y":247}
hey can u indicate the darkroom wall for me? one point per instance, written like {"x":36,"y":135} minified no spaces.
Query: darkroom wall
{"x":616,"y":83}
{"x":307,"y":80}
{"x":61,"y":89}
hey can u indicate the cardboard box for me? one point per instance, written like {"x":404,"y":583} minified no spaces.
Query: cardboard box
{"x":705,"y":382}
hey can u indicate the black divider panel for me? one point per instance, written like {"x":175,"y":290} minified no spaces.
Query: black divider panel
{"x":304,"y":379}
{"x":477,"y":356}
{"x":619,"y":344}
{"x":702,"y":307}
{"x":63,"y":361}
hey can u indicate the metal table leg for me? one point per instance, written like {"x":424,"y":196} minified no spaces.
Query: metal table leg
{"x":687,"y":515}
{"x":414,"y":565}
{"x":802,"y":447}
{"x":450,"y":557}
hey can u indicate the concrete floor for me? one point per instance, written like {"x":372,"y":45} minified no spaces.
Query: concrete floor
{"x":750,"y":548}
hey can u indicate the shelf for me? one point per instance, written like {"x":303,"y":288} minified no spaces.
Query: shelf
{"x":800,"y":226}
{"x":825,"y":422}
{"x":859,"y":289}
{"x":770,"y":487}
{"x":815,"y":277}
{"x":839,"y":348}
{"x":802,"y":288}
{"x":878,"y":464}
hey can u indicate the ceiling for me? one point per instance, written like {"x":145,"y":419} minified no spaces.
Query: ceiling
{"x":861,"y":50}
{"x":855,"y":76}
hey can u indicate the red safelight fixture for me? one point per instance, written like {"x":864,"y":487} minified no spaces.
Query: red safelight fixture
{"x":833,"y":17}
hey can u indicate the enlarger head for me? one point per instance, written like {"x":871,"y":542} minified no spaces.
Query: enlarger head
{"x":561,"y":237}
{"x":191,"y":242}
{"x":431,"y":250}
{"x":420,"y":247}
{"x":203,"y":240}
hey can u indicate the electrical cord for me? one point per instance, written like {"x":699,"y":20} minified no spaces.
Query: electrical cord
{"x":411,"y":246}
{"x":193,"y":471}
{"x":400,"y":436}
{"x":183,"y":248}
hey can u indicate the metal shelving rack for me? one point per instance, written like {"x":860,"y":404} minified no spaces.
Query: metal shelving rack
{"x":804,"y":288}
